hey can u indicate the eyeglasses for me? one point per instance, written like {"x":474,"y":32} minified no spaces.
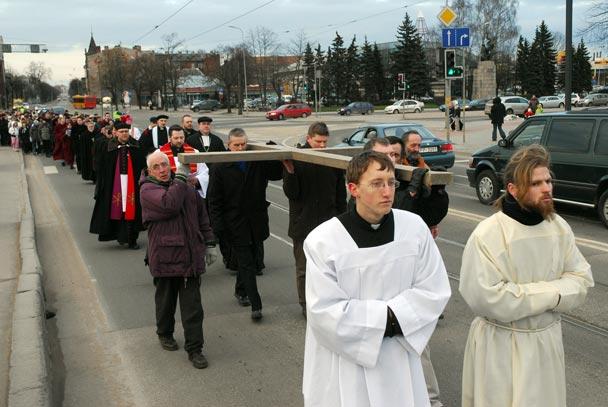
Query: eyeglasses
{"x":379,"y":185}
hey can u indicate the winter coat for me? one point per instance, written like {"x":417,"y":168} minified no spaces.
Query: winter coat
{"x":237,"y":200}
{"x":498,"y":112}
{"x":46,"y":129}
{"x":178,"y":227}
{"x":316,"y":193}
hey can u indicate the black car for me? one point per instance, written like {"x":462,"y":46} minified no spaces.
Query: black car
{"x":476,"y":104}
{"x":578,"y":144}
{"x":209,"y":104}
{"x":356,"y":107}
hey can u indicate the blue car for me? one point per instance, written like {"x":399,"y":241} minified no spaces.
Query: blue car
{"x":436,"y":152}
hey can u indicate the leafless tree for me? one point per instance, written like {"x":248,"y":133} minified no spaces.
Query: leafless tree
{"x":263,"y":43}
{"x":226,"y":73}
{"x":296,"y":48}
{"x":145,"y":76}
{"x":597,"y":20}
{"x":114,"y":72}
{"x":171,"y":71}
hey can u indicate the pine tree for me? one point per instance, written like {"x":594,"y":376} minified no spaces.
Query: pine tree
{"x":309,"y":69}
{"x":521,"y":65}
{"x":534,"y":77}
{"x":367,"y":71}
{"x":545,"y":42}
{"x":581,"y":69}
{"x":409,"y":58}
{"x":320,"y":62}
{"x":380,"y":82}
{"x":336,"y":70}
{"x":352,"y":71}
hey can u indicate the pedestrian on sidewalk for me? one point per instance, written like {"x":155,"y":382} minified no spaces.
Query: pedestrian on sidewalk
{"x":497,"y":117}
{"x":180,"y":245}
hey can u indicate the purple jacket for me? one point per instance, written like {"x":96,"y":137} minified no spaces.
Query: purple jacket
{"x":178,"y":227}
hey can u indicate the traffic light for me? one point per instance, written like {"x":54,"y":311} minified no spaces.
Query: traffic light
{"x":451,"y":70}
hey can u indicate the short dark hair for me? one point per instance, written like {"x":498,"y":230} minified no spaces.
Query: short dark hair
{"x":375,"y":141}
{"x":319,"y":128}
{"x":174,"y":128}
{"x":359,"y":164}
{"x":236,"y":132}
{"x":406,"y":136}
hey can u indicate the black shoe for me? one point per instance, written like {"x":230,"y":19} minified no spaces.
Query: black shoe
{"x":259,"y":273}
{"x":168,"y":343}
{"x":243,"y":300}
{"x":198,"y":360}
{"x":441,"y":316}
{"x":49,"y":314}
{"x":256,"y":315}
{"x":304,"y":311}
{"x":133,"y":246}
{"x":63,"y":164}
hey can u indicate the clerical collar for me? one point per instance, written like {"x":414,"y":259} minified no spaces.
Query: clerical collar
{"x":176,"y":150}
{"x":513,"y":209}
{"x":368,"y":235}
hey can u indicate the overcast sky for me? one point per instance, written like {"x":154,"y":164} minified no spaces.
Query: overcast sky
{"x":65,"y":26}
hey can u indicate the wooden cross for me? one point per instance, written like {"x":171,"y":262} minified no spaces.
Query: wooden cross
{"x":329,"y":157}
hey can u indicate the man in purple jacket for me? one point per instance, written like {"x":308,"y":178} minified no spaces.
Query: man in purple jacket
{"x":180,"y":243}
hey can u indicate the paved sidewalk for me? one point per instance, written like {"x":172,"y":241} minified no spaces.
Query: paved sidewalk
{"x":11,"y":204}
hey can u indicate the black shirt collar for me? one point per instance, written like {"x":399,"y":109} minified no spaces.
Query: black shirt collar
{"x":514,"y":210}
{"x":364,"y":234}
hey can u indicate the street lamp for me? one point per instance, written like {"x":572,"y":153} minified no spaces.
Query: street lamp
{"x":244,"y":61}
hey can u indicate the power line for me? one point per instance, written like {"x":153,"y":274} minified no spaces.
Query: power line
{"x":163,"y":22}
{"x":229,"y":21}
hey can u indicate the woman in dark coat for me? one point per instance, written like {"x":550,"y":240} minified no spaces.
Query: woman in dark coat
{"x":87,"y":138}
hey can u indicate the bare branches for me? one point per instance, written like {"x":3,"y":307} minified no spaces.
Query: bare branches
{"x":597,"y":20}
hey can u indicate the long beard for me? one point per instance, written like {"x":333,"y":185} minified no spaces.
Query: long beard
{"x":413,"y":159}
{"x":545,"y":209}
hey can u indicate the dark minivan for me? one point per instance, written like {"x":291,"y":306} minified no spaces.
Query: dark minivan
{"x":578,"y":144}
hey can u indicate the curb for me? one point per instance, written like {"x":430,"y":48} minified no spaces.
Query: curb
{"x":29,"y":369}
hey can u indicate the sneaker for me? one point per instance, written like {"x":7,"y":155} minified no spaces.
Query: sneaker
{"x":168,"y":343}
{"x":256,"y":315}
{"x":198,"y":360}
{"x":243,"y":300}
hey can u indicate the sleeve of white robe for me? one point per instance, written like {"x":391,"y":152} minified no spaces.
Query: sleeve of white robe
{"x":202,"y":175}
{"x":351,"y":328}
{"x":575,"y":279}
{"x":419,"y":307}
{"x":488,"y":294}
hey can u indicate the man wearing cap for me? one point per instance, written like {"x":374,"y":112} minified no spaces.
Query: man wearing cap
{"x":157,"y":137}
{"x":199,"y":173}
{"x":203,"y":140}
{"x":117,"y":211}
{"x":148,"y":130}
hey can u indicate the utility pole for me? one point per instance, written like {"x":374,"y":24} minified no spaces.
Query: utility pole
{"x":10,"y":48}
{"x":568,"y":77}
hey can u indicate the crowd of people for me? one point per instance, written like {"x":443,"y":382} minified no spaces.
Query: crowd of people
{"x":370,"y":279}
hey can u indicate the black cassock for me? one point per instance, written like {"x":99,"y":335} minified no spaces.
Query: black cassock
{"x":87,"y":140}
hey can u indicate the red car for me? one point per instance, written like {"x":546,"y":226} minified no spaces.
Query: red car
{"x":289,"y":110}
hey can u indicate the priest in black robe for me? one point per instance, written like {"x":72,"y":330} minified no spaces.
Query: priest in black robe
{"x":157,"y":136}
{"x":87,"y":140}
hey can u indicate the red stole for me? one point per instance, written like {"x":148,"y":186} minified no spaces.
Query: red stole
{"x":169,"y":153}
{"x":116,"y":205}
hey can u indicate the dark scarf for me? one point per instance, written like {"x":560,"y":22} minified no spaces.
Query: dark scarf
{"x":513,"y":209}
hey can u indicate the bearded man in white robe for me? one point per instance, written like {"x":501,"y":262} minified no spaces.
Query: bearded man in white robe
{"x":375,"y":288}
{"x":520,"y":270}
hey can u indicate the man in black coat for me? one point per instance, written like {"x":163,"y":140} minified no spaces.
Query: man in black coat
{"x":203,"y":140}
{"x":497,"y":116}
{"x":117,"y":211}
{"x":316,"y":194}
{"x":158,"y":136}
{"x":238,"y":210}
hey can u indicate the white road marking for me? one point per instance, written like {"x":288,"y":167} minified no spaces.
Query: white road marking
{"x":270,"y":184}
{"x":279,"y":238}
{"x":50,"y":169}
{"x":441,"y":239}
{"x":461,"y":161}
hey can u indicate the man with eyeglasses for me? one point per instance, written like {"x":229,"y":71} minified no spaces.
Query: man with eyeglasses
{"x":376,"y":285}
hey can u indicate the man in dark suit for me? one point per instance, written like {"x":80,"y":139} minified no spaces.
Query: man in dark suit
{"x":203,"y":140}
{"x":157,"y":137}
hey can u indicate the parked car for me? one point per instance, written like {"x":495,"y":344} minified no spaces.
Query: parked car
{"x":476,"y":104}
{"x":513,"y":104}
{"x":461,"y":102}
{"x":595,"y":99}
{"x":426,"y":99}
{"x":405,"y":106}
{"x":436,"y":152}
{"x":289,"y":110}
{"x":578,"y":144}
{"x":356,"y":107}
{"x":575,"y":98}
{"x":551,"y":102}
{"x":209,"y":104}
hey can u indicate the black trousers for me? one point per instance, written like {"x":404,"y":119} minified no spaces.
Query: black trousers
{"x":168,"y":290}
{"x":247,"y":262}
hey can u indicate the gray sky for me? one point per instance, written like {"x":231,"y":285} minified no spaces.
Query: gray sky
{"x":65,"y":26}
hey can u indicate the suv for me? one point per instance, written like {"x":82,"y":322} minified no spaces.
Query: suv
{"x":208,"y":104}
{"x":513,"y":104}
{"x":578,"y":144}
{"x":595,"y":99}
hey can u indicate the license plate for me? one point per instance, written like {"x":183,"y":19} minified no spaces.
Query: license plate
{"x":428,"y":149}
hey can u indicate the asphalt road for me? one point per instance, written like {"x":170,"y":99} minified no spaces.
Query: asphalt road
{"x":261,"y":364}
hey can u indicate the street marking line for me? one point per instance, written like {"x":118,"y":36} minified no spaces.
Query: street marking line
{"x":50,"y":169}
{"x":466,"y":215}
{"x":274,"y":186}
{"x":452,"y":242}
{"x":279,"y":207}
{"x":279,"y":238}
{"x":461,"y":161}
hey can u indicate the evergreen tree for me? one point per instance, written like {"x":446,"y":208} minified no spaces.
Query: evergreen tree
{"x":534,"y":77}
{"x":409,"y":58}
{"x":309,"y":69}
{"x":336,"y":70}
{"x":544,"y":40}
{"x":581,"y":69}
{"x":352,"y":71}
{"x":522,"y":64}
{"x":320,"y":62}
{"x":380,"y":82}
{"x":367,"y":72}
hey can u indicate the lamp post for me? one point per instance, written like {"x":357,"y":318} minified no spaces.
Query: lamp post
{"x":244,"y":63}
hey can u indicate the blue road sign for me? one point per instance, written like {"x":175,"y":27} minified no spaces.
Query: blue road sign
{"x":455,"y":37}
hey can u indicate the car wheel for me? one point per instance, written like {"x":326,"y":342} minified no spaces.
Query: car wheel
{"x":371,"y":111}
{"x":487,"y":187}
{"x":396,"y":111}
{"x":416,"y":110}
{"x":602,"y":207}
{"x":281,"y":117}
{"x":509,"y":111}
{"x":304,"y":115}
{"x":196,"y":109}
{"x":348,"y":112}
{"x":213,"y":109}
{"x":561,"y":105}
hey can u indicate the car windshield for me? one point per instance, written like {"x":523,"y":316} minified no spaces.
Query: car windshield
{"x":401,"y":130}
{"x":351,"y":105}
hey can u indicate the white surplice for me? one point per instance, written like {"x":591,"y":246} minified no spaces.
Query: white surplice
{"x":348,"y":362}
{"x":512,"y":276}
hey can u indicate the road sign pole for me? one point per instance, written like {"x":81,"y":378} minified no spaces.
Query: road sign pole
{"x":448,"y":96}
{"x":464,"y":95}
